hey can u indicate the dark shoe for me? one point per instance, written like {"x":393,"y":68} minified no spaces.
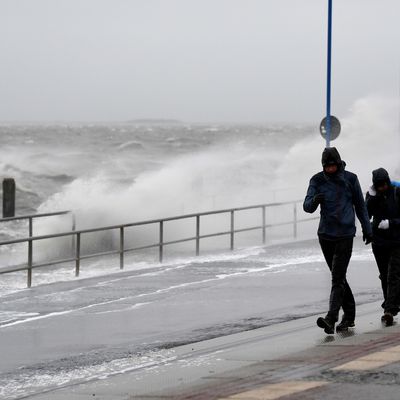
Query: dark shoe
{"x":345,"y":325}
{"x":387,"y":319}
{"x":327,"y":325}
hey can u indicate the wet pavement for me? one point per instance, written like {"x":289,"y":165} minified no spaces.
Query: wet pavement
{"x":292,"y":360}
{"x":145,"y":321}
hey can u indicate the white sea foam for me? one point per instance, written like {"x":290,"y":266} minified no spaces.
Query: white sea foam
{"x":31,"y":382}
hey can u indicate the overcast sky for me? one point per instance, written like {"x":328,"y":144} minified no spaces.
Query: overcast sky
{"x":194,"y":60}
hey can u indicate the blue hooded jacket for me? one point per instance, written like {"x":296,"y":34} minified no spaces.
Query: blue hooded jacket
{"x":343,"y":200}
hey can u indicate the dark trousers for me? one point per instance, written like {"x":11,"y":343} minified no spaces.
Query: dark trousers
{"x":388,"y":261}
{"x":337,"y":254}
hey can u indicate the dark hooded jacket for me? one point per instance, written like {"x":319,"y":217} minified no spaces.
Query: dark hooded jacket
{"x":384,"y":206}
{"x":343,"y":200}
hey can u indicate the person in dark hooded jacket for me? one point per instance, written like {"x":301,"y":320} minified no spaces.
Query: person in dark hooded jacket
{"x":383,"y":204}
{"x":339,"y":195}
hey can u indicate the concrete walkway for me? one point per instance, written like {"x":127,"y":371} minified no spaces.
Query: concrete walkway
{"x":292,"y":360}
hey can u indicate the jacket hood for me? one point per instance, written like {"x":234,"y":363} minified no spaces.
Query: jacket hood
{"x":331,"y":156}
{"x":380,"y":176}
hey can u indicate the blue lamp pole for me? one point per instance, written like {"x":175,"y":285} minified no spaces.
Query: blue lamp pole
{"x":329,"y":76}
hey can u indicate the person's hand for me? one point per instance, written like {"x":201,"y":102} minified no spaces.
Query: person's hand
{"x":319,"y":198}
{"x":367,"y":239}
{"x":372,"y":191}
{"x":384,"y":225}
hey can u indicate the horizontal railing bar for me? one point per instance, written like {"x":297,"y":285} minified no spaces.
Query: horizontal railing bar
{"x":215,"y":234}
{"x":150,"y":246}
{"x":48,"y":264}
{"x":105,"y":253}
{"x":148,"y":222}
{"x":9,"y":270}
{"x":34,"y":238}
{"x":114,"y":252}
{"x":33,"y":216}
{"x":291,"y":222}
{"x":210,"y":235}
{"x":94,"y":230}
{"x":308,"y":219}
{"x":179,"y":241}
{"x":255,"y":228}
{"x":49,"y":214}
{"x":141,"y":223}
{"x":280,"y":224}
{"x":125,"y":251}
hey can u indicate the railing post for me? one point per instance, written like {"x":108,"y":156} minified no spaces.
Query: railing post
{"x":121,"y":247}
{"x":295,"y":220}
{"x":30,"y":226}
{"x":73,"y":229}
{"x":78,"y":254}
{"x":30,"y":252}
{"x":232,"y":230}
{"x":161,"y":241}
{"x":197,"y":235}
{"x":30,"y":262}
{"x":264,"y":233}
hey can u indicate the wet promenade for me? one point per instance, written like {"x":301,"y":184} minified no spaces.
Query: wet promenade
{"x":291,"y":360}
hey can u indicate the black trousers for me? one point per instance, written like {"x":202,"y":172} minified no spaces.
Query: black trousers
{"x":388,"y":261}
{"x":337,"y":254}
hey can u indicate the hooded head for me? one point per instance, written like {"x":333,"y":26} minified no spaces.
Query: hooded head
{"x":381,"y":180}
{"x":331,"y":160}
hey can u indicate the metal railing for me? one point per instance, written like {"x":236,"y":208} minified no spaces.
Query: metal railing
{"x":32,"y":217}
{"x":122,"y":249}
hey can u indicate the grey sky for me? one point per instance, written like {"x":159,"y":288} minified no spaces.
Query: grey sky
{"x":196,"y":60}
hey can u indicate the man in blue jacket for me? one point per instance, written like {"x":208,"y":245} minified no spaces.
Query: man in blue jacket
{"x":339,"y":195}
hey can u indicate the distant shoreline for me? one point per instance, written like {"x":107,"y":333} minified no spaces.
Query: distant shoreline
{"x":154,"y":121}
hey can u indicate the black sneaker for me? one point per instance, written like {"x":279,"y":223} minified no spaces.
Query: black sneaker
{"x":345,"y":325}
{"x":387,"y":319}
{"x":327,"y":325}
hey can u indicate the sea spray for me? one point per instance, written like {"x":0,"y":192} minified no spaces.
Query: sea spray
{"x":235,"y":175}
{"x":225,"y":175}
{"x":200,"y":169}
{"x":369,"y":139}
